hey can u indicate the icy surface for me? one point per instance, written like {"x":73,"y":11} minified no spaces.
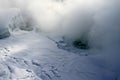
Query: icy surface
{"x":32,"y":56}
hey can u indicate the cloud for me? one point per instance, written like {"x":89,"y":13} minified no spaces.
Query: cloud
{"x":95,"y":21}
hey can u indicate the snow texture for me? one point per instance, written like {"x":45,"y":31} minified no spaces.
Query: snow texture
{"x":31,"y":56}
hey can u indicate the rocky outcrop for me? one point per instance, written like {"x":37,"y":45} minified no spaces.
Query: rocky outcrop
{"x":4,"y":33}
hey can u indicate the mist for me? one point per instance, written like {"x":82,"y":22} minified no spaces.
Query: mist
{"x":59,"y":39}
{"x":94,"y":21}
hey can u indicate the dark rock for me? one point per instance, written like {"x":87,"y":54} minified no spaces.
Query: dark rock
{"x":4,"y":33}
{"x":80,"y":44}
{"x":26,"y":28}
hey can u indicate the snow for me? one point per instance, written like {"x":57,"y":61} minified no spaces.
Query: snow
{"x":40,"y":45}
{"x":32,"y":56}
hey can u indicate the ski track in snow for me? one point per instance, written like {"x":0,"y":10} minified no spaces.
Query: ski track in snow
{"x":31,"y":56}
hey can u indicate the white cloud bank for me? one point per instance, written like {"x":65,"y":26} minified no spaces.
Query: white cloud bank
{"x":96,"y":21}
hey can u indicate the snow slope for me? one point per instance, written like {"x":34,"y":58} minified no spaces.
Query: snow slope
{"x":32,"y":56}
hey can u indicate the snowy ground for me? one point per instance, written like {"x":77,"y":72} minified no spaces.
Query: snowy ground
{"x":33,"y":56}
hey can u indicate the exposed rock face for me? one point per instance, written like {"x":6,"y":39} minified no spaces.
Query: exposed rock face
{"x":4,"y":33}
{"x":81,"y":45}
{"x":26,"y":28}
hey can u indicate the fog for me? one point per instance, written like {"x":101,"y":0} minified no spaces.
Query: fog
{"x":94,"y":21}
{"x":60,"y":39}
